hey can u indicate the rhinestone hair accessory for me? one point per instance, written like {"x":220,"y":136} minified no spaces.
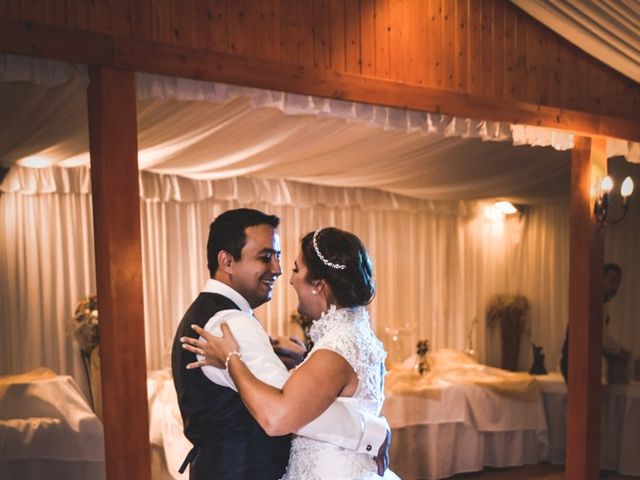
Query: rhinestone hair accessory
{"x":337,"y":266}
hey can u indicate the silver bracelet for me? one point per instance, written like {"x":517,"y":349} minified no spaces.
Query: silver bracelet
{"x":226,"y":360}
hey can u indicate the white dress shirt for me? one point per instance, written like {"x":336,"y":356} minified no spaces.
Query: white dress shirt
{"x":341,"y":424}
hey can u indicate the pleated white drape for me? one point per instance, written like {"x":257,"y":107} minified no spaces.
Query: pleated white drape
{"x":46,"y":266}
{"x":394,"y":228}
{"x":608,"y":30}
{"x":436,"y":263}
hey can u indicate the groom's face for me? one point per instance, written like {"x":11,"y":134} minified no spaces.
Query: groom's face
{"x":254,"y":275}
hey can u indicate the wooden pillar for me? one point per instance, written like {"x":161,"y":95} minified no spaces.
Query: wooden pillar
{"x":116,"y":219}
{"x":586,"y":260}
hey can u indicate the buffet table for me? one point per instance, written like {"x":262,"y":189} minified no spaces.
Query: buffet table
{"x":463,"y":416}
{"x":47,"y":429}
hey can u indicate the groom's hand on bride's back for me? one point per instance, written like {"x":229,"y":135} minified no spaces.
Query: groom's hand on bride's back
{"x":382,"y":459}
{"x":290,"y":350}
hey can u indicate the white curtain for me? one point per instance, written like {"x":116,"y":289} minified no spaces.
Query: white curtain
{"x":394,"y":228}
{"x":209,"y":130}
{"x":46,"y":267}
{"x":608,"y":30}
{"x":436,"y":263}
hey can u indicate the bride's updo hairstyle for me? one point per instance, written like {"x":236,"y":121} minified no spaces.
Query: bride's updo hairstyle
{"x":340,"y":259}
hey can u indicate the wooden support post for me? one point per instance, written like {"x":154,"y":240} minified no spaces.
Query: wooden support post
{"x":588,"y":162}
{"x":116,"y":219}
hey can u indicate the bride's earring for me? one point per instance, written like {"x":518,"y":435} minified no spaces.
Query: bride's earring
{"x":314,"y":291}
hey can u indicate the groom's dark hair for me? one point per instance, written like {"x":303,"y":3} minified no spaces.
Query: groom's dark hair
{"x":227,"y":232}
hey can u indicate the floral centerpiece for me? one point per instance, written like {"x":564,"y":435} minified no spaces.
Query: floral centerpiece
{"x":84,"y":326}
{"x":422,"y":363}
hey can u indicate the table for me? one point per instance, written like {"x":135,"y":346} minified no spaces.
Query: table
{"x":462,"y":416}
{"x":459,"y":428}
{"x":47,"y":429}
{"x":449,"y":424}
{"x":168,"y":443}
{"x":619,"y":426}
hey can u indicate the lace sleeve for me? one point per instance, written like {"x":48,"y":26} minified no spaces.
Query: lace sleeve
{"x":343,"y":343}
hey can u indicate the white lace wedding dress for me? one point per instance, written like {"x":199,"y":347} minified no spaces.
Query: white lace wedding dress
{"x":347,"y":332}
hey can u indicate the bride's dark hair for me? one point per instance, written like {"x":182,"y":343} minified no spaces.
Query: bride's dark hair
{"x":352,"y":285}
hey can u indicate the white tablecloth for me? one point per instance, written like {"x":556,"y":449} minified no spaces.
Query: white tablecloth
{"x":462,"y":428}
{"x":166,"y":429}
{"x":619,"y":427}
{"x":475,"y":405}
{"x":453,"y":426}
{"x":47,"y":429}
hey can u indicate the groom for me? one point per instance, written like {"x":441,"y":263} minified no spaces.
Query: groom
{"x":243,"y":253}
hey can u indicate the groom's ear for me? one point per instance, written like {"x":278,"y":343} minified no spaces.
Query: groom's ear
{"x":225,"y":261}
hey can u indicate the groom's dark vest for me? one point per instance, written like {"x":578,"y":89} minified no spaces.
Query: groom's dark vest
{"x":228,"y":442}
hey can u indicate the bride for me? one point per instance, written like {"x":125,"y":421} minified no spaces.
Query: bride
{"x":332,"y":276}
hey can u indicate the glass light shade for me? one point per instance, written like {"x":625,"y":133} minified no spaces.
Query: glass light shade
{"x":627,"y":187}
{"x":607,"y":184}
{"x":492,"y":213}
{"x":506,"y":208}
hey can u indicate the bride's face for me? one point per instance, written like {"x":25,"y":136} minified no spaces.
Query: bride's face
{"x":311,"y":301}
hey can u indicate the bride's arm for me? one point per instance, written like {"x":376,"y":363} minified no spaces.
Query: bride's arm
{"x":309,"y":391}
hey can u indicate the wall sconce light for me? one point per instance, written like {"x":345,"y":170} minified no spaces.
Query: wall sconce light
{"x":601,"y":205}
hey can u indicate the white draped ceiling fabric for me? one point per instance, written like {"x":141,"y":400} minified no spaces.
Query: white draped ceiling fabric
{"x":608,"y":30}
{"x":208,"y":147}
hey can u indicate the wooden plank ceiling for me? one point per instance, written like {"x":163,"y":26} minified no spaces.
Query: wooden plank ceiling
{"x":485,"y":48}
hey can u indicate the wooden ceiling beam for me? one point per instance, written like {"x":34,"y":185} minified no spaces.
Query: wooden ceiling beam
{"x":27,"y":38}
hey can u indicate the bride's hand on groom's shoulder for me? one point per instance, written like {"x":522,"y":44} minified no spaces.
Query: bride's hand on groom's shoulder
{"x":210,"y":349}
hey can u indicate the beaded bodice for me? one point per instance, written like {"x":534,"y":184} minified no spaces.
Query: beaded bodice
{"x":347,"y":332}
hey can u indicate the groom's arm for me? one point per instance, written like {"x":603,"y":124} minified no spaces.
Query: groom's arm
{"x":340,"y":421}
{"x":341,"y":424}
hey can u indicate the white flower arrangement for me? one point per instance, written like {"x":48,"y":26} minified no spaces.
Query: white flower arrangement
{"x":85,"y":324}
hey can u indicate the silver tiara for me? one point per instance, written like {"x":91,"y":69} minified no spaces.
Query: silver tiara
{"x":337,"y":266}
